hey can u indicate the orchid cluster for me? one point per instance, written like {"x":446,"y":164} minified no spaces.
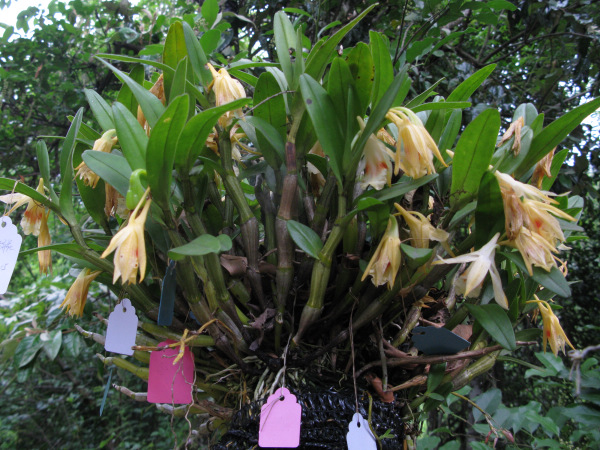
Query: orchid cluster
{"x":331,"y":207}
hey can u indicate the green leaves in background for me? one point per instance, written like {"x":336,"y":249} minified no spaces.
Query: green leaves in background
{"x":472,"y":156}
{"x":202,"y":245}
{"x":111,"y":167}
{"x":495,"y":321}
{"x":305,"y":238}
{"x":101,"y":109}
{"x":132,"y":137}
{"x":175,"y":50}
{"x":489,"y":214}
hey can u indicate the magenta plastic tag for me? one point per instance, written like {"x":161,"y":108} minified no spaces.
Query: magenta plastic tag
{"x":10,"y":243}
{"x":168,"y":383}
{"x":280,"y":418}
{"x":122,"y":328}
{"x":360,"y":436}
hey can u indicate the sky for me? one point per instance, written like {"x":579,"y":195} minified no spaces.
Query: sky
{"x":9,"y":15}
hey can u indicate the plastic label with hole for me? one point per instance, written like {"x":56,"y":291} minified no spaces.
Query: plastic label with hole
{"x":360,"y":436}
{"x":168,"y":383}
{"x":10,"y":244}
{"x":438,"y":341}
{"x":122,"y":328}
{"x":280,"y":419}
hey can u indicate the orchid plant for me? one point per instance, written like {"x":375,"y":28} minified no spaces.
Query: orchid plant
{"x":307,"y":203}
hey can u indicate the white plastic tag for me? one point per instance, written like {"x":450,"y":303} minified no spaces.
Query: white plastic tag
{"x":10,"y":244}
{"x":122,"y":328}
{"x":360,"y":436}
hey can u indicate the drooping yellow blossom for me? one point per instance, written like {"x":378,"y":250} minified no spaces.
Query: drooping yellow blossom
{"x":76,"y":297}
{"x":514,"y":130}
{"x":531,"y":222}
{"x":542,"y":169}
{"x":104,"y":144}
{"x":130,"y":247}
{"x":35,"y":212}
{"x":535,"y":250}
{"x":553,"y":332}
{"x":158,"y":89}
{"x":385,"y":263}
{"x":421,"y":230}
{"x":415,"y":147}
{"x":44,"y":256}
{"x":227,"y":89}
{"x":377,"y":163}
{"x":482,"y":262}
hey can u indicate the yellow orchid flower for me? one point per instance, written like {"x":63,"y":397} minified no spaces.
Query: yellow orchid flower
{"x":377,"y":163}
{"x":227,"y":89}
{"x":542,"y":169}
{"x":104,"y":144}
{"x":76,"y":297}
{"x":421,"y":230}
{"x":535,"y":250}
{"x":514,"y":130}
{"x":482,"y":262}
{"x":553,"y":332}
{"x":129,"y":246}
{"x":34,"y":214}
{"x":415,"y":147}
{"x":385,"y":263}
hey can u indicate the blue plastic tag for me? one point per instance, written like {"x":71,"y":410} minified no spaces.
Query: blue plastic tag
{"x":438,"y":341}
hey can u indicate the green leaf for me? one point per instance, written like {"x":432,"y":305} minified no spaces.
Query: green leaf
{"x":417,"y":256}
{"x":210,"y":10}
{"x":495,"y":321}
{"x":419,"y":99}
{"x":339,"y":82}
{"x":285,"y":39}
{"x":360,"y":63}
{"x":72,"y":345}
{"x":489,"y":214}
{"x":27,"y":350}
{"x":151,"y":106}
{"x":450,"y":131}
{"x":132,"y":137}
{"x":319,"y":162}
{"x":101,"y":109}
{"x":268,"y":105}
{"x":94,"y":200}
{"x":327,"y":127}
{"x":44,"y":164}
{"x":112,"y":168}
{"x":441,"y":105}
{"x":472,"y":156}
{"x":268,"y":140}
{"x":202,"y":245}
{"x":125,"y":96}
{"x":53,"y":344}
{"x":305,"y":238}
{"x":320,"y":55}
{"x":194,"y":134}
{"x":465,"y":89}
{"x":436,"y":375}
{"x":553,"y":134}
{"x":179,"y":85}
{"x":384,"y":71}
{"x":196,"y":55}
{"x":210,"y":41}
{"x":66,"y":169}
{"x":162,"y":145}
{"x":175,"y":50}
{"x":553,"y":280}
{"x":404,"y":185}
{"x":10,"y":185}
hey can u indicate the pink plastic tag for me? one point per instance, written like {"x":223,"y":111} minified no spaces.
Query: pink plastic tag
{"x":360,"y":436}
{"x":168,"y":383}
{"x":280,"y":418}
{"x":122,"y":328}
{"x":10,"y":243}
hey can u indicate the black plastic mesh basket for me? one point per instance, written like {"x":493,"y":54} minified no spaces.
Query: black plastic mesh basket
{"x":325,"y":419}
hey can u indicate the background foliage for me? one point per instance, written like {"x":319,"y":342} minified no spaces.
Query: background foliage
{"x":547,"y":54}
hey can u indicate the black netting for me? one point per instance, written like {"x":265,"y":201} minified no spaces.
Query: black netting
{"x":325,"y":419}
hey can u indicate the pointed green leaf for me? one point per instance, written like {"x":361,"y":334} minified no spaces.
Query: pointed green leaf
{"x":111,"y":167}
{"x":210,"y":10}
{"x":384,"y":71}
{"x":268,"y":140}
{"x":360,"y":63}
{"x":53,"y":344}
{"x":162,"y":145}
{"x":268,"y":105}
{"x":305,"y":238}
{"x":101,"y":109}
{"x":178,"y":86}
{"x":327,"y":127}
{"x":472,"y":156}
{"x":202,"y":245}
{"x":554,"y":134}
{"x":196,"y":55}
{"x":27,"y":350}
{"x":339,"y":82}
{"x":193,"y":137}
{"x":489,"y":214}
{"x":404,"y":185}
{"x":441,"y":105}
{"x":10,"y":185}
{"x":132,"y":137}
{"x":66,"y":168}
{"x":417,"y":256}
{"x":285,"y":39}
{"x":175,"y":50}
{"x":553,"y":280}
{"x":126,"y":97}
{"x":465,"y":89}
{"x":151,"y":106}
{"x":495,"y":321}
{"x":44,"y":164}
